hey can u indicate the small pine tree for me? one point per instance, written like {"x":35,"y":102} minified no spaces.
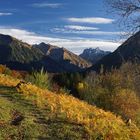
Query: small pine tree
{"x":41,"y":79}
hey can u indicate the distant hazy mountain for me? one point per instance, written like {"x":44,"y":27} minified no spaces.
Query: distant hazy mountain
{"x":93,"y":55}
{"x":68,"y":60}
{"x":128,"y":51}
{"x":22,"y":56}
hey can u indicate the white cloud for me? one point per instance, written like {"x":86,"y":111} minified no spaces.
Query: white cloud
{"x":94,"y":20}
{"x":6,"y":14}
{"x":84,"y":30}
{"x":50,"y":5}
{"x":77,"y":46}
{"x":74,"y":44}
{"x":80,"y":28}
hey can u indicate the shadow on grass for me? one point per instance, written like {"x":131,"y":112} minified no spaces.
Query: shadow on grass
{"x":6,"y":88}
{"x":11,"y":94}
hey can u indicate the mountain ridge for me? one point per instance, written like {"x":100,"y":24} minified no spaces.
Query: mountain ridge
{"x":22,"y":56}
{"x":93,"y":55}
{"x":129,"y":51}
{"x":67,"y":59}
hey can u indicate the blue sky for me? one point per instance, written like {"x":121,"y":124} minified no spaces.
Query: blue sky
{"x":74,"y":24}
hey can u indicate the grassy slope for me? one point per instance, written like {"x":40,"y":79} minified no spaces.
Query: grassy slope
{"x":35,"y":125}
{"x":54,"y":117}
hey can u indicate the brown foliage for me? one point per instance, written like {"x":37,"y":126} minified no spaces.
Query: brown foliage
{"x":126,"y":103}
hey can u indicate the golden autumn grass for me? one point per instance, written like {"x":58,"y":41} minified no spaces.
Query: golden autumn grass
{"x":97,"y":124}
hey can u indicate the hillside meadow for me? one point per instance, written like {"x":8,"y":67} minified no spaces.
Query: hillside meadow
{"x":30,"y":112}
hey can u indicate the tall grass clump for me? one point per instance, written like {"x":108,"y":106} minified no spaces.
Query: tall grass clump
{"x":40,"y":79}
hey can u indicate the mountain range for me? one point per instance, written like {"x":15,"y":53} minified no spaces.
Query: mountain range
{"x":66,"y":59}
{"x":22,"y":56}
{"x":128,"y":51}
{"x":93,"y":55}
